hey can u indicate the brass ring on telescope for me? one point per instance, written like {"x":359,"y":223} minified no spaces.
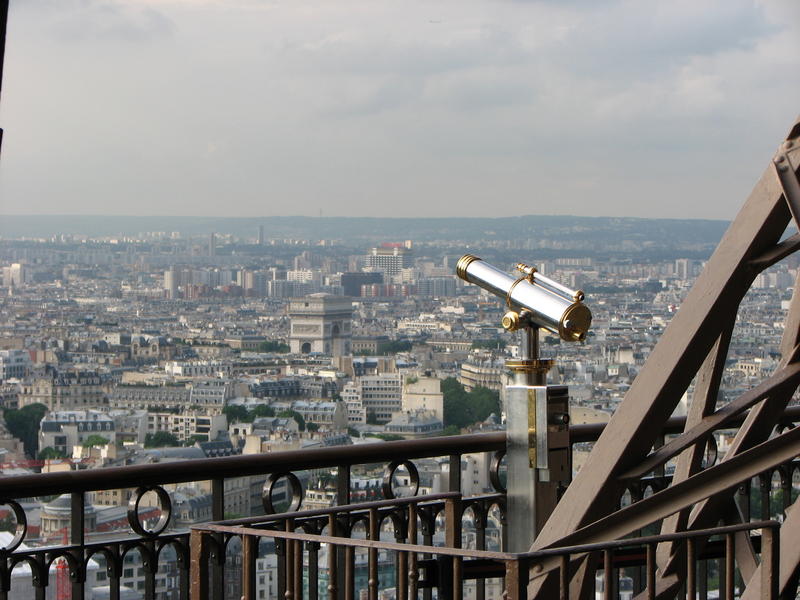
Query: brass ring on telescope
{"x":511,"y":289}
{"x":462,"y":264}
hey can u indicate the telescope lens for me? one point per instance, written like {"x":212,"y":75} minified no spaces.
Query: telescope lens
{"x":575,"y":323}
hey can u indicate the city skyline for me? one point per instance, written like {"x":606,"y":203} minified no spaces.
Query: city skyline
{"x":253,"y":109}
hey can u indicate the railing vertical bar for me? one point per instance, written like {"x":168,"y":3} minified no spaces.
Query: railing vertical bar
{"x":249,"y":556}
{"x":290,"y":562}
{"x":452,"y":520}
{"x":480,"y":544}
{"x":350,"y":572}
{"x":298,"y":570}
{"x":786,"y":490}
{"x":454,"y":474}
{"x":313,"y":571}
{"x":343,"y":483}
{"x":691,"y":569}
{"x":150,"y":568}
{"x":770,"y":558}
{"x":563,"y":578}
{"x":373,"y":555}
{"x":76,"y":534}
{"x":730,"y":566}
{"x":114,"y":583}
{"x":332,"y":552}
{"x":458,"y":582}
{"x":702,"y":577}
{"x":402,"y":575}
{"x":184,"y":573}
{"x":280,"y":552}
{"x":413,"y":574}
{"x":651,"y":571}
{"x":516,"y":580}
{"x":765,"y":487}
{"x":198,"y":547}
{"x":608,"y":575}
{"x":218,"y":514}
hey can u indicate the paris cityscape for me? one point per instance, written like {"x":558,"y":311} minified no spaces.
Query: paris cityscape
{"x":395,"y":300}
{"x":160,"y":346}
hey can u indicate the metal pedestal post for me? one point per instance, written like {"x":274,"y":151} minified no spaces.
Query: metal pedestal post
{"x":532,"y":491}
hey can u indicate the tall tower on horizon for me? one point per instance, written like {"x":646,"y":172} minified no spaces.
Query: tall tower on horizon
{"x":212,"y":244}
{"x":260,"y":235}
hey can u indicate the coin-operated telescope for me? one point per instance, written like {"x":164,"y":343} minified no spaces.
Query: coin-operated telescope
{"x":537,"y":414}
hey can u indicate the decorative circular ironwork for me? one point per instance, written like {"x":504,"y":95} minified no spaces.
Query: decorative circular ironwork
{"x":164,"y":503}
{"x":269,"y":487}
{"x":388,"y":477}
{"x":21,"y":529}
{"x":711,"y":453}
{"x":494,"y":471}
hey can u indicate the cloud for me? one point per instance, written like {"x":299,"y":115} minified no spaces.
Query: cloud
{"x":394,"y":107}
{"x":73,"y":21}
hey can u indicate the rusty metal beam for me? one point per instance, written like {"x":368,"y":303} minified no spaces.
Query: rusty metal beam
{"x":762,"y":418}
{"x":671,"y":366}
{"x":703,"y":403}
{"x":777,"y":253}
{"x":787,"y":377}
{"x":709,"y":482}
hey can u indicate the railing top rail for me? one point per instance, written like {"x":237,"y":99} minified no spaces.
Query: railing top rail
{"x":180,"y":471}
{"x":484,"y":554}
{"x":202,"y":469}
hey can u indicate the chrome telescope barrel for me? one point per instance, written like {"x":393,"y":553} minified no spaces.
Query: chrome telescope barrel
{"x":546,"y":303}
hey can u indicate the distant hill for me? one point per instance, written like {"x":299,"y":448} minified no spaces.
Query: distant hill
{"x":569,"y":229}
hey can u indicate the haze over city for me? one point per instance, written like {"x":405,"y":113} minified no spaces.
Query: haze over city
{"x":414,"y":109}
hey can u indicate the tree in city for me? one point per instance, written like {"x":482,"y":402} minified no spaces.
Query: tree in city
{"x":462,"y":408}
{"x":493,"y":344}
{"x":50,"y":453}
{"x":451,"y":430}
{"x":274,"y":346}
{"x":393,"y":347}
{"x":160,"y":439}
{"x":197,"y":437}
{"x":301,"y":422}
{"x":262,"y":410}
{"x":94,"y":440}
{"x":236,"y":413}
{"x":23,"y":423}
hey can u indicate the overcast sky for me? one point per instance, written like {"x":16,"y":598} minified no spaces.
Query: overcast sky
{"x":394,"y":108}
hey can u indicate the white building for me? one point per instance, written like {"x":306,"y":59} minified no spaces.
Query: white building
{"x":188,"y":424}
{"x":14,"y":364}
{"x":423,"y":393}
{"x":351,"y":396}
{"x":64,"y":429}
{"x":381,"y":395}
{"x":326,"y":414}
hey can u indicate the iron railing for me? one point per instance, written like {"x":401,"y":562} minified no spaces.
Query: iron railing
{"x":445,"y":569}
{"x":150,"y":541}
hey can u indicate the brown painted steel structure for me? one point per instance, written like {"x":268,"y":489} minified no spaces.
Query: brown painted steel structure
{"x":695,"y":344}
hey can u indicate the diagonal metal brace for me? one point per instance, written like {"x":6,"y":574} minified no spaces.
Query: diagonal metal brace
{"x":787,"y":376}
{"x":786,"y":172}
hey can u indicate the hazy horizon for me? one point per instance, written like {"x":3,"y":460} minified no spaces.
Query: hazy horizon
{"x":258,"y":109}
